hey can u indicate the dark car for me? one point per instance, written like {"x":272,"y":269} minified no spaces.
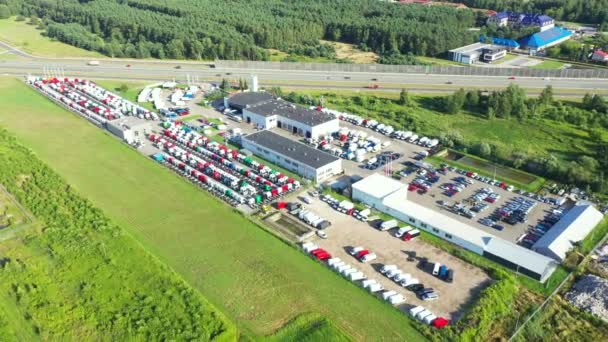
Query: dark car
{"x":424,"y":291}
{"x":415,"y":287}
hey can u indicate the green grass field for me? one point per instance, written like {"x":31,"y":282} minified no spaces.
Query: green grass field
{"x":562,"y":140}
{"x":258,"y":281}
{"x":79,"y":277}
{"x":28,"y":39}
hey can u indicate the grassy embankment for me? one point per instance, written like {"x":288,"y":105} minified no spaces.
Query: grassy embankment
{"x":257,"y":280}
{"x":29,"y":39}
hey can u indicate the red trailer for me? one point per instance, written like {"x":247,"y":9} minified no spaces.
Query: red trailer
{"x":440,"y":322}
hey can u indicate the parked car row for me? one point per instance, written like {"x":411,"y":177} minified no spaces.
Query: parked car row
{"x":533,"y":234}
{"x":362,"y":254}
{"x":311,"y":218}
{"x":428,"y":317}
{"x":316,"y":252}
{"x":443,"y":272}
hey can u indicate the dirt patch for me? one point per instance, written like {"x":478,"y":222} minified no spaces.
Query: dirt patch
{"x":455,"y":297}
{"x":348,"y":51}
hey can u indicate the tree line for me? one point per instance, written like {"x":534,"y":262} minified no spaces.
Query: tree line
{"x":239,"y":29}
{"x":587,"y":11}
{"x":590,"y":115}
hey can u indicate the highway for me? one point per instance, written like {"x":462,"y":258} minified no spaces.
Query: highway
{"x":150,"y":70}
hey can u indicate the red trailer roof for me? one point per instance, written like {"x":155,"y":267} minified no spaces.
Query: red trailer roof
{"x":440,"y":322}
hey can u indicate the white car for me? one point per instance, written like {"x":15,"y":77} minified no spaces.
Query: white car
{"x":313,"y":193}
{"x":392,"y":273}
{"x":401,"y":277}
{"x":369,"y":257}
{"x":321,"y":234}
{"x":399,"y":233}
{"x":387,"y":268}
{"x":356,"y":250}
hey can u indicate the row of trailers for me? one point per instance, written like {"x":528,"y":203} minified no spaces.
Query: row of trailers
{"x":238,"y":178}
{"x":90,"y":101}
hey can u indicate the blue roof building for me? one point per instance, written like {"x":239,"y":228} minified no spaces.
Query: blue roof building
{"x":508,"y":18}
{"x":509,"y":43}
{"x":545,"y":39}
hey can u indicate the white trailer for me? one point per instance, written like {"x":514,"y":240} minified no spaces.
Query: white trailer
{"x":429,"y":319}
{"x":415,"y":311}
{"x":375,"y":288}
{"x":423,"y":314}
{"x":387,"y":294}
{"x":333,"y":261}
{"x":396,"y":299}
{"x":367,"y":282}
{"x":356,"y":276}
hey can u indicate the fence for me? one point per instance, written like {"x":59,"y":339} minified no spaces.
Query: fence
{"x":416,"y":69}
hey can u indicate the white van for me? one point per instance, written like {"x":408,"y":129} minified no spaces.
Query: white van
{"x":387,"y":294}
{"x":436,"y":268}
{"x":415,"y":311}
{"x":387,"y":268}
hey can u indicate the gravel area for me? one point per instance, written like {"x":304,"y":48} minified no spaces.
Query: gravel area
{"x":590,"y":293}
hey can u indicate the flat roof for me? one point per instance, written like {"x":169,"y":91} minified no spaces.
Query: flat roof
{"x":378,"y":186}
{"x":471,"y":47}
{"x":291,"y":111}
{"x":574,"y":226}
{"x":128,"y":122}
{"x":295,"y":150}
{"x":398,"y":201}
{"x":519,"y":255}
{"x":249,"y":98}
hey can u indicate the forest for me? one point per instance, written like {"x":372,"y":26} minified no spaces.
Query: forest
{"x":239,"y":29}
{"x":583,"y":11}
{"x":81,"y":277}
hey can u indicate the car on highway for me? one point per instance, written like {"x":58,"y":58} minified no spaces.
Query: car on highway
{"x":449,"y":82}
{"x":512,"y":77}
{"x":128,"y":65}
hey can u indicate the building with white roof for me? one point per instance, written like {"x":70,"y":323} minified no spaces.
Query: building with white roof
{"x":573,"y":227}
{"x":390,"y":197}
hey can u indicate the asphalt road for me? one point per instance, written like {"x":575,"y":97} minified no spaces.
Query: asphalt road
{"x":173,"y":70}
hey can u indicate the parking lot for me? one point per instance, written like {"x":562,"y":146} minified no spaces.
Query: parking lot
{"x":510,"y":232}
{"x":347,"y":232}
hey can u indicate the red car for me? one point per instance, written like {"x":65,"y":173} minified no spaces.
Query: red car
{"x":361,"y":254}
{"x":323,"y":256}
{"x":512,"y":77}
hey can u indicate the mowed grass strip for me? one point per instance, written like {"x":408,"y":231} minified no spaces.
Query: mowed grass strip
{"x":259,"y":281}
{"x":29,"y":39}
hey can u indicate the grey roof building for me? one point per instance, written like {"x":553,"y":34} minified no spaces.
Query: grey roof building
{"x":242,"y":100}
{"x":290,"y":111}
{"x":573,"y":227}
{"x":292,"y":155}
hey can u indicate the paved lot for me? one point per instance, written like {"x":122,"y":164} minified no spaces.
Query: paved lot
{"x":509,"y":233}
{"x":346,"y":232}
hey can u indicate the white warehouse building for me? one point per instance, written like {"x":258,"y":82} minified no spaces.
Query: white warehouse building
{"x":573,"y":227}
{"x":290,"y":117}
{"x":294,"y":156}
{"x":262,"y":110}
{"x":390,"y":197}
